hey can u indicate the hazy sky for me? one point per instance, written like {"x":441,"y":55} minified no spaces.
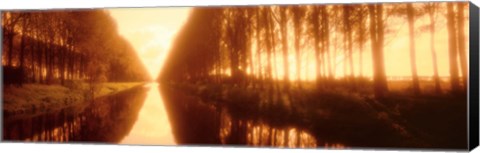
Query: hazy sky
{"x":150,"y":31}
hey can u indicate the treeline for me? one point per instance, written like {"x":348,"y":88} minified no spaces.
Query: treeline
{"x":253,"y":44}
{"x":51,"y":47}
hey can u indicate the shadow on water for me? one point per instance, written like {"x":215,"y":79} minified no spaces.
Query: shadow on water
{"x":336,"y":121}
{"x":199,"y":123}
{"x":106,"y":120}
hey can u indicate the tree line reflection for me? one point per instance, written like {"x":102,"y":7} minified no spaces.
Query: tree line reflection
{"x":196,"y":122}
{"x":105,"y":120}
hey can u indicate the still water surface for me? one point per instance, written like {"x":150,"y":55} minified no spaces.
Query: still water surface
{"x":154,"y":115}
{"x":152,"y":125}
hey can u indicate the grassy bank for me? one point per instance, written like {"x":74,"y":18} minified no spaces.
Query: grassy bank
{"x":34,"y":99}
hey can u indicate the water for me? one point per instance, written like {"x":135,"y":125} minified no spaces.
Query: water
{"x":155,"y":115}
{"x":152,"y":125}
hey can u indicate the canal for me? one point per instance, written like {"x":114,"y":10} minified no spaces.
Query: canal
{"x":154,"y":115}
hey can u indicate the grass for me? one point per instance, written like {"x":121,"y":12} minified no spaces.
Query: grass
{"x":34,"y":99}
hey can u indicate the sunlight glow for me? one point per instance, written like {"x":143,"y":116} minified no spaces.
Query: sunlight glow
{"x":150,"y":31}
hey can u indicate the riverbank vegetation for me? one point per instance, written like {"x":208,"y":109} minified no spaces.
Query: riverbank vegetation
{"x":34,"y":99}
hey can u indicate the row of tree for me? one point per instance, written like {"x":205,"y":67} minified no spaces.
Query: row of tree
{"x":54,"y":46}
{"x":245,"y":44}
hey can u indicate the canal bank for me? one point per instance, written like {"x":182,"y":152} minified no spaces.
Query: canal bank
{"x":35,"y":99}
{"x":133,"y":116}
{"x":107,"y":119}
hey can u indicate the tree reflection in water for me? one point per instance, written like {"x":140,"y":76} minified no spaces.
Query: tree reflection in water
{"x":260,"y":134}
{"x":105,"y":120}
{"x":195,"y":122}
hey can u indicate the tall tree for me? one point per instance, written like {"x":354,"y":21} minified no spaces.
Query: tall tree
{"x":259,"y":43}
{"x":452,"y":49}
{"x":24,"y":30}
{"x":411,"y":31}
{"x":377,"y":40}
{"x":315,"y":23}
{"x":347,"y":24}
{"x":431,"y":9}
{"x":362,"y":34}
{"x":298,"y":14}
{"x":461,"y":42}
{"x":283,"y":31}
{"x":326,"y":38}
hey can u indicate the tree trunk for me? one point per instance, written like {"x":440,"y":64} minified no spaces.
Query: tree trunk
{"x":50,"y":62}
{"x":47,"y":62}
{"x":380,"y":63}
{"x":461,"y":42}
{"x":22,"y":47}
{"x":272,"y":47}
{"x":316,"y":35}
{"x":452,"y":49}
{"x":436,"y":78}
{"x":32,"y":54}
{"x":376,"y":31}
{"x":348,"y":33}
{"x":413,"y":65}
{"x":22,"y":60}
{"x":361,"y":39}
{"x":268,"y":45}
{"x":283,"y":27}
{"x":259,"y":61}
{"x":350,"y":50}
{"x":62,"y":63}
{"x":10,"y":47}
{"x":250,"y":60}
{"x":40,"y":62}
{"x":72,"y":62}
{"x":297,"y":30}
{"x":326,"y":39}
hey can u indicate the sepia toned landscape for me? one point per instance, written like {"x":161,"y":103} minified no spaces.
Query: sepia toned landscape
{"x":388,"y":75}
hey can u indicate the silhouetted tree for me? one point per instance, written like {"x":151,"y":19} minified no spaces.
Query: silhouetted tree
{"x":298,"y":14}
{"x":284,"y":33}
{"x":461,"y":41}
{"x":431,"y":9}
{"x":376,"y":35}
{"x":411,"y":31}
{"x":347,"y":24}
{"x":452,"y":49}
{"x":360,"y":22}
